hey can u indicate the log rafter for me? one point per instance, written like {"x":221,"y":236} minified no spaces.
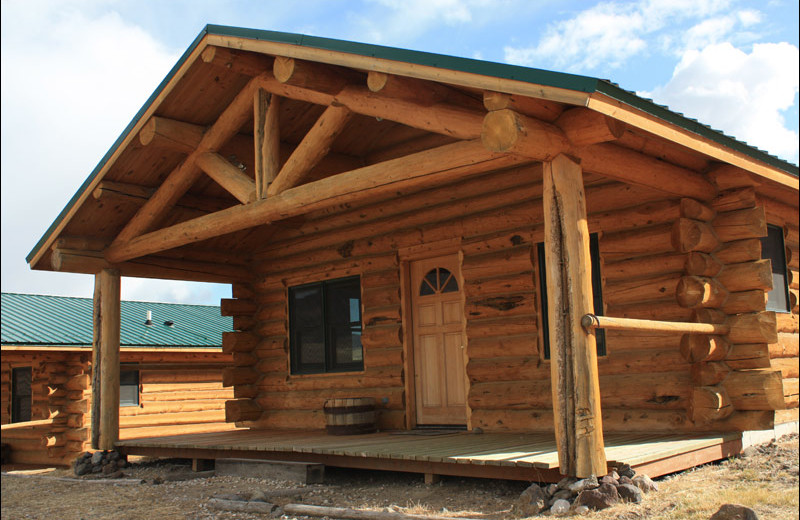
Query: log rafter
{"x":530,"y":139}
{"x":182,"y":177}
{"x":436,"y":165}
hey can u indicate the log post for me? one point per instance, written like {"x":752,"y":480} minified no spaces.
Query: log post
{"x":266,"y":140}
{"x":109,"y":336}
{"x":97,"y":334}
{"x":574,"y":374}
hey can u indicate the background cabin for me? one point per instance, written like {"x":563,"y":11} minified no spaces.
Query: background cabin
{"x":170,"y":373}
{"x":432,"y":232}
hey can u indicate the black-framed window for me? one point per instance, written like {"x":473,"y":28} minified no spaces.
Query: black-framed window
{"x":773,"y":248}
{"x":325,"y":327}
{"x":21,"y":397}
{"x":597,"y":295}
{"x":128,"y":386}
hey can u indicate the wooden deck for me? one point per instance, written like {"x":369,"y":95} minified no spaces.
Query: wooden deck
{"x":513,"y":456}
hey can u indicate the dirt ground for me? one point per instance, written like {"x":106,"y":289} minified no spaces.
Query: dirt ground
{"x":765,"y":479}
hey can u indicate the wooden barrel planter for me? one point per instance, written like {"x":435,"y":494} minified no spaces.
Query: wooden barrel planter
{"x":350,"y":416}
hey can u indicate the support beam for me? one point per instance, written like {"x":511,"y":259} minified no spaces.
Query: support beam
{"x":182,"y":177}
{"x":228,"y":176}
{"x":583,"y":127}
{"x":574,"y":375}
{"x":109,"y":357}
{"x":172,"y":134}
{"x":92,"y":262}
{"x":242,"y":62}
{"x":266,"y":140}
{"x":539,"y":108}
{"x":633,"y":167}
{"x":427,"y":168}
{"x":97,"y":358}
{"x":137,"y":194}
{"x":425,"y":93}
{"x":313,"y":76}
{"x":314,"y":146}
{"x":511,"y":132}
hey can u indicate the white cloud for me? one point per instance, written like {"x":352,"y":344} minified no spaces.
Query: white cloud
{"x":405,"y":20}
{"x":743,"y":94}
{"x":73,"y":76}
{"x":610,"y":33}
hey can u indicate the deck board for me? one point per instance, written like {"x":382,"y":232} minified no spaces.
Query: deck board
{"x":454,"y":452}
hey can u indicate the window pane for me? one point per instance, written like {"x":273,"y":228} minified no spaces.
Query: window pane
{"x":129,"y":388}
{"x":21,"y":394}
{"x":431,"y":278}
{"x":773,"y":248}
{"x":342,"y":305}
{"x":597,"y":293}
{"x":307,"y":338}
{"x":451,"y":285}
{"x":325,"y":326}
{"x":426,"y":289}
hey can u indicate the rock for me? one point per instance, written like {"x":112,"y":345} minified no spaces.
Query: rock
{"x":96,"y":468}
{"x":625,"y":470}
{"x":562,"y":493}
{"x":116,"y":474}
{"x":601,"y":498}
{"x":580,"y":510}
{"x":608,"y":479}
{"x":734,"y":512}
{"x":83,"y":468}
{"x":625,"y":480}
{"x":84,"y":457}
{"x":565,"y":482}
{"x":560,"y":507}
{"x":614,"y":475}
{"x":644,"y":483}
{"x":551,"y":490}
{"x":109,"y":468}
{"x":586,"y":483}
{"x":97,"y":457}
{"x":630,"y":493}
{"x":532,"y":501}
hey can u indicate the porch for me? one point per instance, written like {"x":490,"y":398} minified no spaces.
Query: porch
{"x":513,"y":456}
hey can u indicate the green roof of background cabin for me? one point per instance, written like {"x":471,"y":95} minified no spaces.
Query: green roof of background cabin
{"x":33,"y":319}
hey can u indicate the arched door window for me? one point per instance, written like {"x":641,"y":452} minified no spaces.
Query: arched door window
{"x":437,"y":281}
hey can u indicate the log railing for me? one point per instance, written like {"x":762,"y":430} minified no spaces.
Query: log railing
{"x":592,"y":321}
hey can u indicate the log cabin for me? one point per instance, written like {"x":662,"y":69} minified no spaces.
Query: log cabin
{"x":171,"y":363}
{"x":471,"y":244}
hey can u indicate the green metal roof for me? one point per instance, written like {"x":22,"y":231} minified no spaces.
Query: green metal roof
{"x":498,"y":70}
{"x":33,"y":319}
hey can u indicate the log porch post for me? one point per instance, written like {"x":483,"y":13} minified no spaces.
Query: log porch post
{"x":573,"y":352}
{"x":105,"y":360}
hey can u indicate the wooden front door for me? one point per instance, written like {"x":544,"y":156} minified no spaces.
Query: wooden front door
{"x":439,"y":355}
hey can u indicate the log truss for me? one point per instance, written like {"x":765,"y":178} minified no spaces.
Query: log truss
{"x":504,"y":131}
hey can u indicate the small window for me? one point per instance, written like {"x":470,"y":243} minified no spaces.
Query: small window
{"x":325,"y":327}
{"x":597,"y":295}
{"x":773,"y":248}
{"x":128,"y":387}
{"x":438,"y":280}
{"x":21,"y":398}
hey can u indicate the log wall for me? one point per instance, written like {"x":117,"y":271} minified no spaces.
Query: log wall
{"x":495,"y":221}
{"x":783,"y":354}
{"x":174,"y":398}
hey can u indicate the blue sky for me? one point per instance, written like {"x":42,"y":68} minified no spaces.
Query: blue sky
{"x":74,"y":72}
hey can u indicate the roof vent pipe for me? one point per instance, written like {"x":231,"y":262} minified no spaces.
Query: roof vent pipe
{"x":149,"y":320}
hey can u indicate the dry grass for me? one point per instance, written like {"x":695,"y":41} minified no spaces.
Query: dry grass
{"x":766,"y":481}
